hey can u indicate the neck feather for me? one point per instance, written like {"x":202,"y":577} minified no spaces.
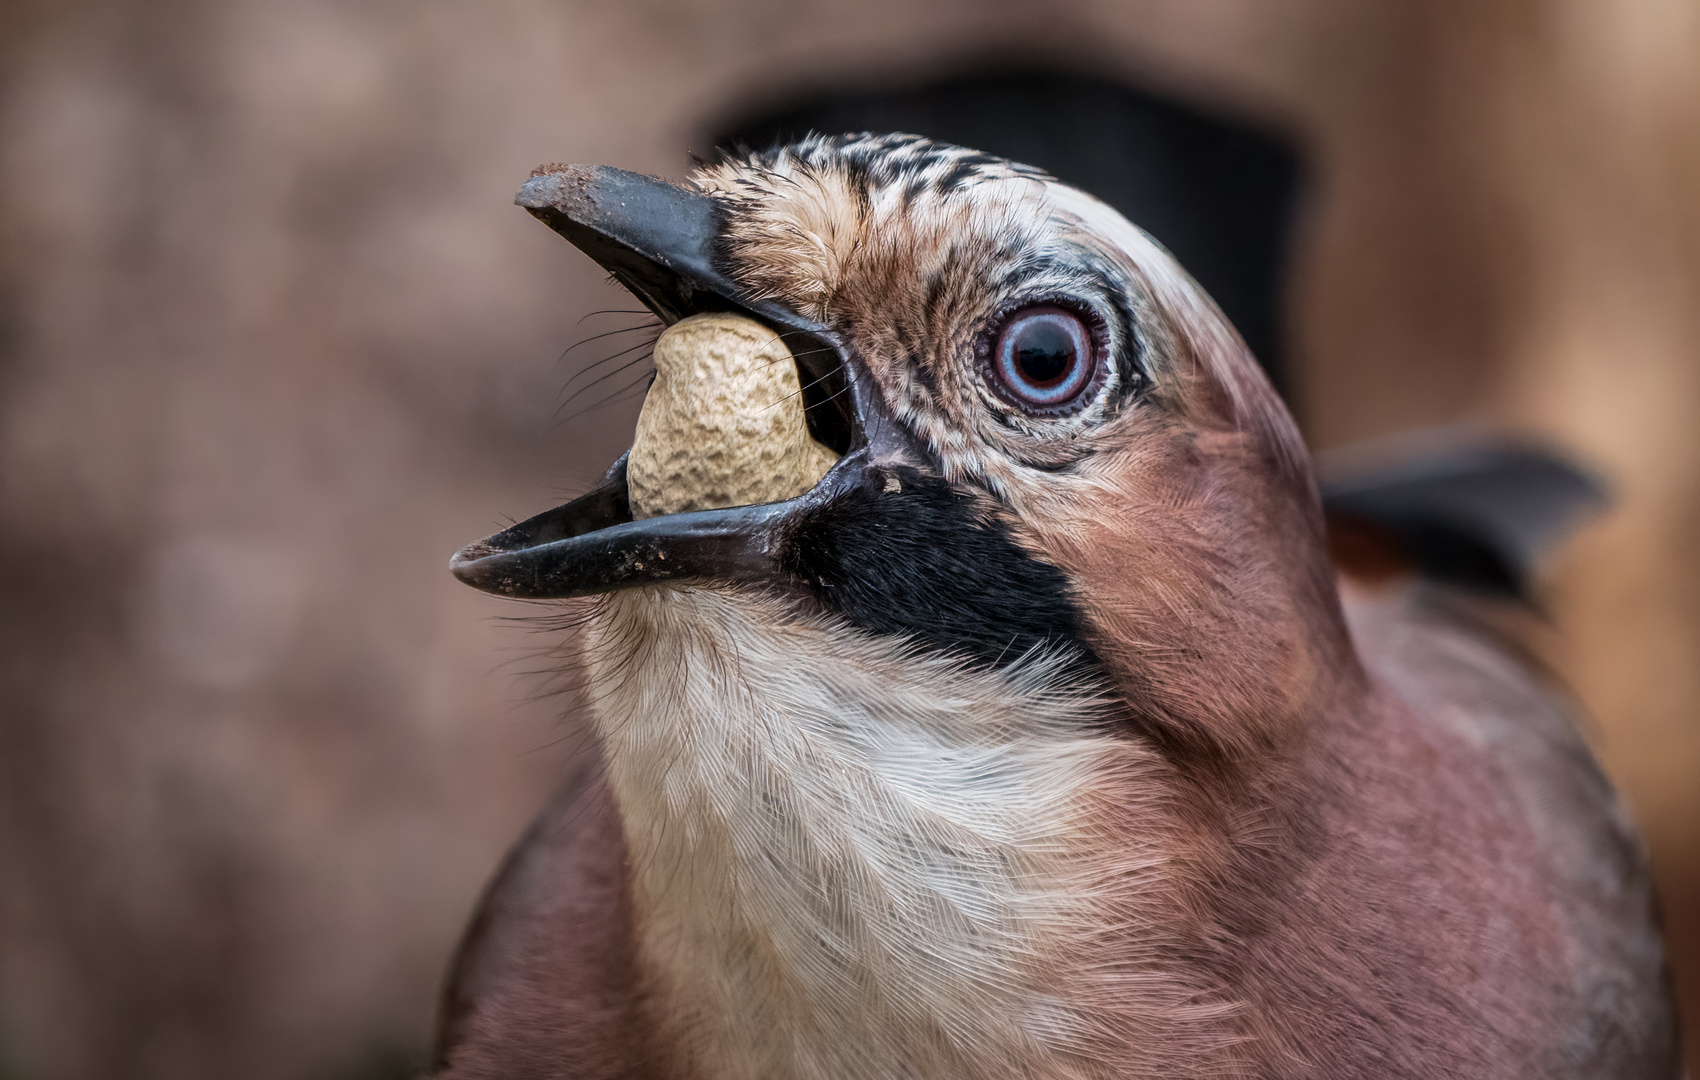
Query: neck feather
{"x":850,"y":858}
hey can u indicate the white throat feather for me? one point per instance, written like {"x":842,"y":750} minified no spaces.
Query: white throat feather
{"x":853,"y":858}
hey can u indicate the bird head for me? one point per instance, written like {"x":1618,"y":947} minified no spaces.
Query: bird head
{"x":1050,"y":439}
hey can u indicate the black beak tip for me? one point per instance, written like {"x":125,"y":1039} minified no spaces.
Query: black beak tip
{"x":471,"y":565}
{"x":552,"y":185}
{"x":463,"y":564}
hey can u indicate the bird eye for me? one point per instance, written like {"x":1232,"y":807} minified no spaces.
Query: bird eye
{"x":1043,"y":359}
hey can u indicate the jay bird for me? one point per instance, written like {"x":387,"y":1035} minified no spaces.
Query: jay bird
{"x":1040,"y":737}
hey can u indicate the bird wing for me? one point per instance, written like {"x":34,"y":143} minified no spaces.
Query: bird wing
{"x":543,"y":982}
{"x":1462,"y":508}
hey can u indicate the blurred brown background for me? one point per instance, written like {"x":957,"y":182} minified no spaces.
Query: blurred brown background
{"x":273,"y":343}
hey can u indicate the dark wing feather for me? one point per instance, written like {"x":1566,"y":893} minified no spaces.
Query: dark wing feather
{"x":1471,"y":511}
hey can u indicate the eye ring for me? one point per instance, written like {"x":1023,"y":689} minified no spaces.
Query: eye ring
{"x":1045,"y":359}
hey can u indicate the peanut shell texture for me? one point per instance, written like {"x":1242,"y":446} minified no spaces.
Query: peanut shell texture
{"x":723,"y":422}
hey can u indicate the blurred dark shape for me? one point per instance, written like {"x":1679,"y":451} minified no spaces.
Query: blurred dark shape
{"x":1219,"y":193}
{"x":1472,"y":510}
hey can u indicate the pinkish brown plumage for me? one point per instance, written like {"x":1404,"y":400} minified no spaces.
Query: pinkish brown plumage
{"x":1036,"y":741}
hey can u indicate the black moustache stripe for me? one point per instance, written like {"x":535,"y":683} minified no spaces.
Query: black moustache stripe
{"x":920,"y":562}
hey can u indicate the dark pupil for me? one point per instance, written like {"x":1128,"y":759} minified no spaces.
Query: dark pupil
{"x":1044,"y":352}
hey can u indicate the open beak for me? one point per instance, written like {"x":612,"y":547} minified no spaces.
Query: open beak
{"x":662,"y":242}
